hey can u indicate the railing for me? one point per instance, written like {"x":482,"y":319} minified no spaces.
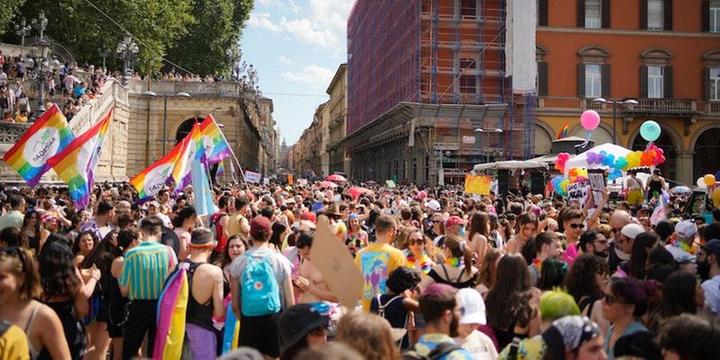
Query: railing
{"x":593,"y":105}
{"x":10,"y":133}
{"x":713,"y":107}
{"x":221,"y":88}
{"x":664,"y":106}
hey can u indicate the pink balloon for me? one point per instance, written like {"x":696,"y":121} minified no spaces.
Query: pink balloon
{"x":590,"y":119}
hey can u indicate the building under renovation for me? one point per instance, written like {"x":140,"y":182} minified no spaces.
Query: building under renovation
{"x":430,"y":87}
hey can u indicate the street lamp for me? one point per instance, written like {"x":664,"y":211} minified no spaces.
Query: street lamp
{"x":22,"y":29}
{"x":45,"y":65}
{"x":127,"y":50}
{"x":40,"y":24}
{"x":165,"y":99}
{"x":488,"y":131}
{"x":104,"y":53}
{"x":614,"y":110}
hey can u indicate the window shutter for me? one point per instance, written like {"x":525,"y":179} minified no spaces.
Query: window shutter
{"x":643,"y":81}
{"x":605,"y":91}
{"x":543,"y":13}
{"x":542,"y":78}
{"x":581,"y":80}
{"x":705,"y":15}
{"x":668,"y":15}
{"x":606,"y":14}
{"x":706,"y":80}
{"x":668,"y":82}
{"x":580,"y":13}
{"x":643,"y":14}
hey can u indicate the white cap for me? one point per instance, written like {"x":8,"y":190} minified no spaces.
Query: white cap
{"x":632,"y":230}
{"x":433,"y":204}
{"x":472,"y":307}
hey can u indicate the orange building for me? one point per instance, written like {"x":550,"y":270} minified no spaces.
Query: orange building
{"x":665,"y":54}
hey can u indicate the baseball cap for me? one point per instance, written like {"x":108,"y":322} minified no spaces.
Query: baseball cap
{"x":454,"y":220}
{"x":260,"y":224}
{"x":309,"y":216}
{"x":433,"y":205}
{"x":299,"y":320}
{"x":632,"y":230}
{"x":686,"y":229}
{"x":472,"y":307}
{"x":712,"y":246}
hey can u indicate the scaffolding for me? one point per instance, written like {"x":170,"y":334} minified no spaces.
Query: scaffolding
{"x":442,"y":52}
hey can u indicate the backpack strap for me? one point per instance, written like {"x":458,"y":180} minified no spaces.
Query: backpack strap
{"x":443,"y":349}
{"x":457,"y":281}
{"x":381,"y":306}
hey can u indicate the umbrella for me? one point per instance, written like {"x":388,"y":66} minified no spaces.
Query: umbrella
{"x":356,"y":191}
{"x":336,"y":177}
{"x":327,"y":184}
{"x":680,"y":190}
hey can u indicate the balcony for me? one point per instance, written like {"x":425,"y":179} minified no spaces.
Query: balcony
{"x":664,"y":107}
{"x":713,"y":107}
{"x":10,"y":133}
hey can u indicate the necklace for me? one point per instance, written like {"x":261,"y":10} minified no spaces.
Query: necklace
{"x":454,"y":262}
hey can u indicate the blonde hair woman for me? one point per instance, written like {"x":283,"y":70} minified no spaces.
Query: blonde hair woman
{"x":369,"y":334}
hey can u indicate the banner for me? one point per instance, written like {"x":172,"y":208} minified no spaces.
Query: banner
{"x":597,"y":184}
{"x":252,"y":177}
{"x":478,"y":184}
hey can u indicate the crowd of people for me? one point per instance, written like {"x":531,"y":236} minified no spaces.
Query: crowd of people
{"x":446,"y":275}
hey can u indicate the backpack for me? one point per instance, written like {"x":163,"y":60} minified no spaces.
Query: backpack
{"x":259,"y":287}
{"x":438,"y":352}
{"x":381,"y":306}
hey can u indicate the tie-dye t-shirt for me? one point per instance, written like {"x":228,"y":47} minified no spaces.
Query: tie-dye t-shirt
{"x":376,"y":262}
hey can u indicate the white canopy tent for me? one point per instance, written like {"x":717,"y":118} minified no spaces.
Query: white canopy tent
{"x":580,"y":161}
{"x":511,"y":165}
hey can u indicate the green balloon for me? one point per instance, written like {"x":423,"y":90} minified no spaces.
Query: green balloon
{"x":650,"y":130}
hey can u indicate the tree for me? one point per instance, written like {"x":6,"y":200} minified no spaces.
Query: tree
{"x":81,"y":28}
{"x":218,"y":28}
{"x":7,"y":11}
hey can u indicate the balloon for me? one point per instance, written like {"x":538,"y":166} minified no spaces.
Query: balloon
{"x":615,"y":174}
{"x":716,"y":197}
{"x":709,"y":179}
{"x":701,"y":183}
{"x":590,"y":119}
{"x":650,"y":130}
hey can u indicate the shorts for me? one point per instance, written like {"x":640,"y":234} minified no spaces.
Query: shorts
{"x":635,"y":197}
{"x":260,"y":333}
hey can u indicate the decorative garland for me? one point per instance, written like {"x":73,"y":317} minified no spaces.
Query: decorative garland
{"x":454,"y":262}
{"x":424,"y":262}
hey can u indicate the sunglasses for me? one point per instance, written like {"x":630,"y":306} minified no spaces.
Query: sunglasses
{"x":416,"y":241}
{"x":577,"y":226}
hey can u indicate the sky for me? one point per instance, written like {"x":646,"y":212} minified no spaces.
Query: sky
{"x":296,"y":46}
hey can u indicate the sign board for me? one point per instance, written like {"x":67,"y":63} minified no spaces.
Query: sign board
{"x":252,"y":177}
{"x":597,"y":184}
{"x":390,"y":184}
{"x":336,"y":265}
{"x":578,"y":192}
{"x":468,"y":139}
{"x":478,"y":184}
{"x":266,"y":181}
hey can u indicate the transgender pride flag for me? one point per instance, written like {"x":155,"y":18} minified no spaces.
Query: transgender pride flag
{"x":77,"y":162}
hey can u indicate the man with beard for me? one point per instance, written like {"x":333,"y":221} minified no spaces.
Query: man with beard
{"x":708,"y":263}
{"x":441,"y":312}
{"x":593,"y":242}
{"x":618,"y":220}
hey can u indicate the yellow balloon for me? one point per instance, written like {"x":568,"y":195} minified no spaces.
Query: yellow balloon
{"x":716,"y":197}
{"x":709,"y":179}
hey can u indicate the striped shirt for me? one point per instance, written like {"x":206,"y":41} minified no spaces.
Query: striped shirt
{"x":145,"y":270}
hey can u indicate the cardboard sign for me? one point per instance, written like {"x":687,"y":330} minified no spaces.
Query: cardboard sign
{"x":390,"y":184}
{"x":478,"y":184}
{"x":252,"y":177}
{"x":597,"y":184}
{"x":336,"y":264}
{"x":578,"y":192}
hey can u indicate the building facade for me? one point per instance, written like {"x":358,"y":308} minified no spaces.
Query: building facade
{"x":664,"y":54}
{"x":309,"y":158}
{"x":428,"y":94}
{"x":336,"y":110}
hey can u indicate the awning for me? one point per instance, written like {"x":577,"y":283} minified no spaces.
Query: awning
{"x":511,"y":165}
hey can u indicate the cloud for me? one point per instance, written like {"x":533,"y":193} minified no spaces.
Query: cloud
{"x":331,"y":13}
{"x":283,"y":60}
{"x":287,"y":5}
{"x":262,"y":21}
{"x":316,"y":76}
{"x":305,"y":30}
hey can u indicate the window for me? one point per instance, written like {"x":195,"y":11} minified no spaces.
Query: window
{"x":593,"y":9}
{"x":468,"y":8}
{"x":655,"y":15}
{"x":715,"y":16}
{"x":714,"y":83}
{"x":593,"y":80}
{"x":468,"y":84}
{"x":655,"y":82}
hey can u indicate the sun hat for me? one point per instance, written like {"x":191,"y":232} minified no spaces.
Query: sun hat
{"x":299,"y":320}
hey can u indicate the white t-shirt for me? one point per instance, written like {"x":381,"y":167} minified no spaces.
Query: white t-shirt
{"x":711,"y":288}
{"x":479,"y":345}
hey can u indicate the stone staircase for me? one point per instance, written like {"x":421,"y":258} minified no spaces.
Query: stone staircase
{"x":113,"y":164}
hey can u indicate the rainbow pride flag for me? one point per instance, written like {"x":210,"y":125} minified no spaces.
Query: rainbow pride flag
{"x":192,"y":149}
{"x":47,"y":136}
{"x":563,"y":133}
{"x":77,"y":162}
{"x":151,"y":180}
{"x":216,"y":145}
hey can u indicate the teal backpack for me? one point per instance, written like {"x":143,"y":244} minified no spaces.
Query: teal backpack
{"x":260,"y":290}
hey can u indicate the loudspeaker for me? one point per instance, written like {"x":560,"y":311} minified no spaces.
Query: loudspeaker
{"x":502,"y":180}
{"x":537,"y":183}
